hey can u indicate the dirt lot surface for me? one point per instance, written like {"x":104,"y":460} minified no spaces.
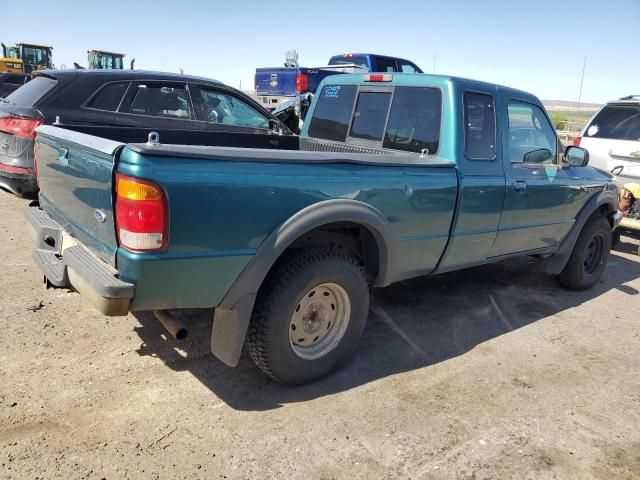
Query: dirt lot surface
{"x":494,"y":372}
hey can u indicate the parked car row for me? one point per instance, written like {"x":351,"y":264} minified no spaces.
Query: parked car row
{"x":137,"y":101}
{"x":162,"y":192}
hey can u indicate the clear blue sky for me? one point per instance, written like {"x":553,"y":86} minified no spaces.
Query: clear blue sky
{"x":535,"y":45}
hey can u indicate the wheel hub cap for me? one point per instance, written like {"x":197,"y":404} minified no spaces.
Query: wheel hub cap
{"x":319,"y":321}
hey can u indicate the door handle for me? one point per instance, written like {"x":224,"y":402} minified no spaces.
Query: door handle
{"x":519,"y":186}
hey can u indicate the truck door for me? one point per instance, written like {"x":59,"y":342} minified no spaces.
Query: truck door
{"x":543,"y":196}
{"x":480,"y":177}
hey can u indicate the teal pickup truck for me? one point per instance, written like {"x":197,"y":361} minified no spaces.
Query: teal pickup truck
{"x":394,"y":176}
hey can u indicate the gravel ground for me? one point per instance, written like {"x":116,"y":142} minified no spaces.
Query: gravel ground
{"x":494,"y":372}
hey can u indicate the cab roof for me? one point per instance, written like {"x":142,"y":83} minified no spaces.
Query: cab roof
{"x":97,"y":50}
{"x":116,"y":74}
{"x":413,"y":79}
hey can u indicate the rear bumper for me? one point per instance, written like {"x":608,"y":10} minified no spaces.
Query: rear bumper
{"x":18,"y":182}
{"x":65,"y":263}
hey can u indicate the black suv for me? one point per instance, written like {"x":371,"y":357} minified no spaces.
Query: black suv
{"x":133,"y":102}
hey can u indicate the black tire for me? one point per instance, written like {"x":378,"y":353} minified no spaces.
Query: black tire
{"x":589,"y":256}
{"x":292,"y":279}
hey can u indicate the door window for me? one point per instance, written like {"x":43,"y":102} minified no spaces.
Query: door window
{"x":332,"y":113}
{"x":385,"y":64}
{"x":479,"y":126}
{"x":414,"y":120}
{"x":169,"y":101}
{"x":370,"y":116}
{"x":408,"y":67}
{"x":229,"y":110}
{"x":531,"y":136}
{"x":109,"y":97}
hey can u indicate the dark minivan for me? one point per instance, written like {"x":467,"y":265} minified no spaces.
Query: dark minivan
{"x":127,"y":105}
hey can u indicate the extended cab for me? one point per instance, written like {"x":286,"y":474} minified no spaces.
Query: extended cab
{"x":394,"y":176}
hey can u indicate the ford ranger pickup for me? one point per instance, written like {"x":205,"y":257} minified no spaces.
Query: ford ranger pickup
{"x":393,"y":176}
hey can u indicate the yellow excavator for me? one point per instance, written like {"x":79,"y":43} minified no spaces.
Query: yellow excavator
{"x":25,"y":57}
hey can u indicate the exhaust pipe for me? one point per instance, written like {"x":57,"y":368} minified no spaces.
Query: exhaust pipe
{"x":174,"y":326}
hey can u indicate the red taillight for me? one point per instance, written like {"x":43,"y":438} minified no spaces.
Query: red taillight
{"x":20,"y":127}
{"x":302,"y":82}
{"x":576,"y":141}
{"x":141,"y":214}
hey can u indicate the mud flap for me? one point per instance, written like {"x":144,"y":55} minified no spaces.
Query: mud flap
{"x":230,"y":328}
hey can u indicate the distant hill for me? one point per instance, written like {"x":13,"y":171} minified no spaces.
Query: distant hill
{"x":565,"y":106}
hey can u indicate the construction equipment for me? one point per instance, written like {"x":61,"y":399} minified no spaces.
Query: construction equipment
{"x":25,"y":57}
{"x":105,"y":60}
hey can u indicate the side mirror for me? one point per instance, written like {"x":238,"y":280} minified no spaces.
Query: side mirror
{"x":576,"y":156}
{"x":540,"y":155}
{"x":275,"y":127}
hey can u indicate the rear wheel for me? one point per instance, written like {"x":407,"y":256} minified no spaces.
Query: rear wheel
{"x":309,"y":315}
{"x":589,"y":256}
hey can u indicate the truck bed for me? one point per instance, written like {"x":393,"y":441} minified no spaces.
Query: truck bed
{"x":225,"y":201}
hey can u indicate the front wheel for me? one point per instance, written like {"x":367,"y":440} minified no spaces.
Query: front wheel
{"x":309,"y":315}
{"x":589,"y":256}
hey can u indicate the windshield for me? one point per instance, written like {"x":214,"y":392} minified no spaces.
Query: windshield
{"x":35,"y":55}
{"x":109,"y":63}
{"x":11,"y":52}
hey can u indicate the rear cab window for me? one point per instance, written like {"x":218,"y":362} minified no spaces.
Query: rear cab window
{"x":332,"y":114}
{"x":348,"y":59}
{"x":397,"y":118}
{"x":616,"y":122}
{"x":29,"y":94}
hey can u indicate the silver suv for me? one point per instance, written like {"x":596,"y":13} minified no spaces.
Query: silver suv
{"x":613,"y":139}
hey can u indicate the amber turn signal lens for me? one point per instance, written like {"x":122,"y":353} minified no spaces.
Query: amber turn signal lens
{"x":135,"y":190}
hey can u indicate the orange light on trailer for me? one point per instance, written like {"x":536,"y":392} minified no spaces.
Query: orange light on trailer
{"x":378,"y":77}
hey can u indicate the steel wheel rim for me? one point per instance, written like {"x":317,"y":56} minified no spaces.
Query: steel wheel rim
{"x":319,"y":321}
{"x":593,"y":254}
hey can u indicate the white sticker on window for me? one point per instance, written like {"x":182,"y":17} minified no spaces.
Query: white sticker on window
{"x":592,"y":130}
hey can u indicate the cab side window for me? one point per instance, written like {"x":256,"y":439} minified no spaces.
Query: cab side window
{"x":169,"y":101}
{"x":479,"y":126}
{"x":531,"y":137}
{"x":228,"y":110}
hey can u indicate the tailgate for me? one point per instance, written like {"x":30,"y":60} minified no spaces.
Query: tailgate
{"x":75,"y":174}
{"x":276,"y":81}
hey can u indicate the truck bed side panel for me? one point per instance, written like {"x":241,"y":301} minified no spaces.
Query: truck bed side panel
{"x":221,"y":211}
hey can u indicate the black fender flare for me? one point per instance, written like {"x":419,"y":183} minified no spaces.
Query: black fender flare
{"x":556,"y":263}
{"x":231,"y":317}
